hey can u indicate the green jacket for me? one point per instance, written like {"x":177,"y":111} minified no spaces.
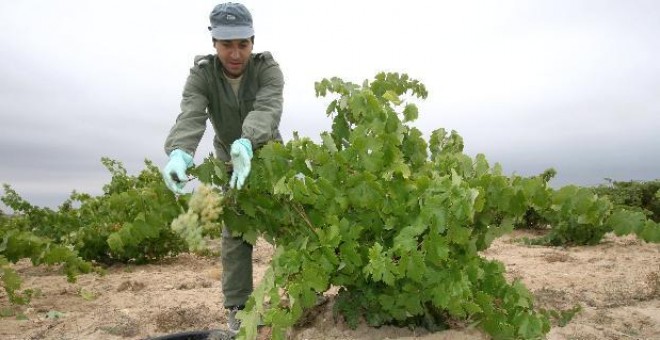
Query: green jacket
{"x":254,"y":115}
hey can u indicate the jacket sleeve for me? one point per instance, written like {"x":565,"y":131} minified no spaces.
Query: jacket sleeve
{"x":262,"y":123}
{"x":191,"y":122}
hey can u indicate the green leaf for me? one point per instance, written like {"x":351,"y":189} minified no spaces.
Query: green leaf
{"x":436,"y":248}
{"x":145,"y":229}
{"x":472,"y":308}
{"x":455,"y":178}
{"x":650,"y":232}
{"x":410,"y":113}
{"x":415,"y":268}
{"x":625,"y":222}
{"x":328,"y":142}
{"x":281,"y":188}
{"x":401,"y":168}
{"x":331,"y":107}
{"x":343,"y":103}
{"x":481,"y":166}
{"x":407,"y":239}
{"x":116,"y":243}
{"x":349,"y":253}
{"x":314,"y":277}
{"x":378,"y":266}
{"x":458,"y":235}
{"x":250,"y":237}
{"x":365,"y":193}
{"x":392,"y":97}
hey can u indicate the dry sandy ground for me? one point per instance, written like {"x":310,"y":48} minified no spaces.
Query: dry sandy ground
{"x":617,"y":283}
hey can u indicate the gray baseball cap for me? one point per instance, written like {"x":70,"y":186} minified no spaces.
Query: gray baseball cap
{"x":231,"y":21}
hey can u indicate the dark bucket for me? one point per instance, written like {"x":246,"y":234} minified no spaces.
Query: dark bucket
{"x":214,"y":334}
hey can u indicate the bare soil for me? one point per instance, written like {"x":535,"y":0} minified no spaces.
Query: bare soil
{"x":617,"y":283}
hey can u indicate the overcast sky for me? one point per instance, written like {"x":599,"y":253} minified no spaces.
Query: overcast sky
{"x":569,"y":84}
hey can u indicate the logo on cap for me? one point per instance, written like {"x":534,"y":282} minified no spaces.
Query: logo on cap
{"x":230,"y":17}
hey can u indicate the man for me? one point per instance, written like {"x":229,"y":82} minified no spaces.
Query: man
{"x":241,"y":94}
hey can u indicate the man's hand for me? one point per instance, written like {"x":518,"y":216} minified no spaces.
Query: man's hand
{"x":241,"y":156}
{"x":174,"y":172}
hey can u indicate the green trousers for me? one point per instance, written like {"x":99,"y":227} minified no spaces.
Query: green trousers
{"x":236,"y":269}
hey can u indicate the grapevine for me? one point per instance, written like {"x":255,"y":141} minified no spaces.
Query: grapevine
{"x":368,"y":211}
{"x":129,"y":222}
{"x":394,"y":221}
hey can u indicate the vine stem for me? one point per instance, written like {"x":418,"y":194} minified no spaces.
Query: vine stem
{"x":304,"y":216}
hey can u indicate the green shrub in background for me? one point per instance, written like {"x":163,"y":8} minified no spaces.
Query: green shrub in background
{"x":642,"y":196}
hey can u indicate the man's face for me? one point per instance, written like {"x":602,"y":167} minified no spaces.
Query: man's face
{"x":234,"y":55}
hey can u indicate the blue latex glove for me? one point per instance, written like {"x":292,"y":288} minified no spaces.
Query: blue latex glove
{"x":174,"y":172}
{"x":241,"y":156}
